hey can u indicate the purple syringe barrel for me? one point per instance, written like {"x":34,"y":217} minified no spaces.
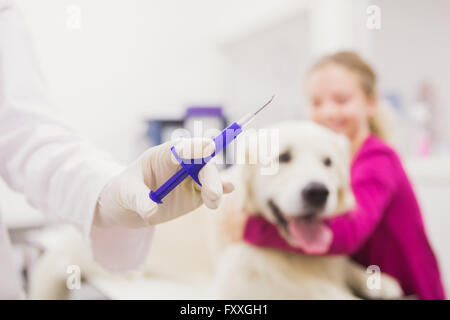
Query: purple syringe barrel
{"x":191,"y":167}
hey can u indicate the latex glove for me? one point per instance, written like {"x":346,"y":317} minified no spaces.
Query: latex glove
{"x":125,"y":200}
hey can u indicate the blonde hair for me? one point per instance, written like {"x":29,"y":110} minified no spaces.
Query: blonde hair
{"x":379,"y":122}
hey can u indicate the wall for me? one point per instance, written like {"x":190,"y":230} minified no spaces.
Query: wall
{"x":135,"y":57}
{"x":413,"y":46}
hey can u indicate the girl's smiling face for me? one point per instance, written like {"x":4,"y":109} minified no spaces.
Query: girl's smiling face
{"x":337,"y":100}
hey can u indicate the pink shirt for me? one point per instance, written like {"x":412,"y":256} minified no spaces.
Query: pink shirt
{"x":385,"y":229}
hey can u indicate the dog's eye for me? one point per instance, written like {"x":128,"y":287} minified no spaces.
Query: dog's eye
{"x":285,"y":157}
{"x":327,"y":162}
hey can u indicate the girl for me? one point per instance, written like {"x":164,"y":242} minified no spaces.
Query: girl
{"x":385,"y":228}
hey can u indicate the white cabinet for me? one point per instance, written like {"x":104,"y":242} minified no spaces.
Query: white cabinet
{"x":431,"y":180}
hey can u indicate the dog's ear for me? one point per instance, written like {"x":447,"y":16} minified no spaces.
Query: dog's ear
{"x":226,"y":224}
{"x":346,"y":200}
{"x":235,"y":201}
{"x":240,"y":174}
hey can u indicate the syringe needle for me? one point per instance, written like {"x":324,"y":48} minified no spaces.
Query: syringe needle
{"x":244,"y":121}
{"x":265,"y":105}
{"x":192,"y":169}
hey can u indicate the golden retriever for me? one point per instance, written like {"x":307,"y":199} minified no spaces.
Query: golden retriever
{"x":311,"y":182}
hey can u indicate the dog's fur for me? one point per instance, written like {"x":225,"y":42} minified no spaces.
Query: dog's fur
{"x":206,"y":246}
{"x":246,"y":271}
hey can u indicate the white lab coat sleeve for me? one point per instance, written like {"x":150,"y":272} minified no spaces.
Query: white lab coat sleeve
{"x":57,"y":171}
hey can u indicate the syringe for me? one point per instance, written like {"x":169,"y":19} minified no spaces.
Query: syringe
{"x":191,"y":167}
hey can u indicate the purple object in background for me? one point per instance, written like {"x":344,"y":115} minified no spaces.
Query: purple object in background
{"x":213,"y":111}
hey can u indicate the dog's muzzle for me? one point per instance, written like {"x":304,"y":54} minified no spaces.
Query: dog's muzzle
{"x":313,"y":198}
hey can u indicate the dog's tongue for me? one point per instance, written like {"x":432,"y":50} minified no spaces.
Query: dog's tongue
{"x":313,"y":237}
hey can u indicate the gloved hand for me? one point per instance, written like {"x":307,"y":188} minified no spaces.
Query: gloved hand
{"x":125,"y":201}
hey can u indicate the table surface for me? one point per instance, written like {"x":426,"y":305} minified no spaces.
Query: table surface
{"x":144,"y":289}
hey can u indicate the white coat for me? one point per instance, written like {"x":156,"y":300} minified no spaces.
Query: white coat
{"x":58,"y":172}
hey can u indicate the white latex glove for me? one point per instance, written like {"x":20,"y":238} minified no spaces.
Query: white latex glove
{"x":125,"y":200}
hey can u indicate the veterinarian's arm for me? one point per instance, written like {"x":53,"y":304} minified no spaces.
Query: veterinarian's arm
{"x":374,"y":184}
{"x":58,"y":172}
{"x":68,"y":179}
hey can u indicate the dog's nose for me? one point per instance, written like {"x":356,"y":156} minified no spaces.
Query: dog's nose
{"x":315,"y":194}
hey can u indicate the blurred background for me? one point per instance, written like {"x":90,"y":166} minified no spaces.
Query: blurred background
{"x":126,"y":73}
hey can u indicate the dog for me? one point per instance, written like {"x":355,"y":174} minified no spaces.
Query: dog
{"x":312,"y":182}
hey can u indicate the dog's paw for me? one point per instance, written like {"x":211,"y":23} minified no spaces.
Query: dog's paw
{"x":388,"y":289}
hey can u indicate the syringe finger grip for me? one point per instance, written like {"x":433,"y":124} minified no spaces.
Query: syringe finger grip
{"x":191,"y":167}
